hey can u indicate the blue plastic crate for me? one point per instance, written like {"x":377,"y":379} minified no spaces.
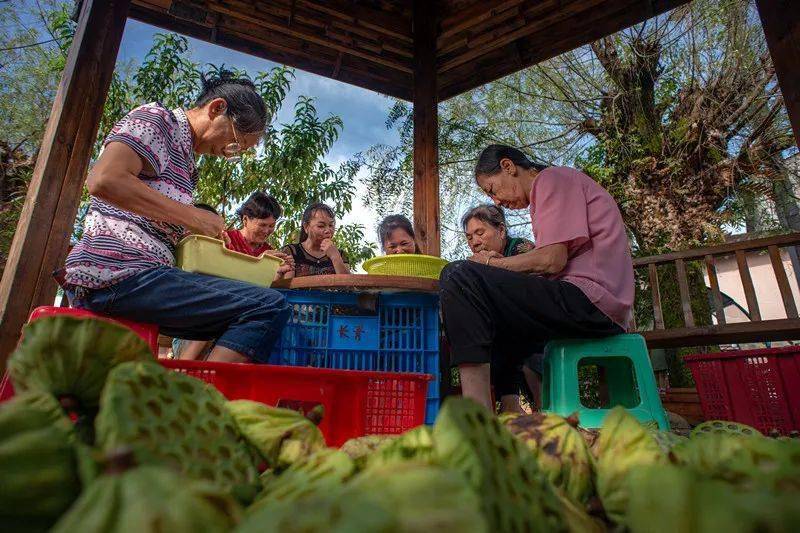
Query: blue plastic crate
{"x":361,"y":331}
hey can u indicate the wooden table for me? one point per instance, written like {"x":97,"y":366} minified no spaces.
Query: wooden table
{"x":361,"y":282}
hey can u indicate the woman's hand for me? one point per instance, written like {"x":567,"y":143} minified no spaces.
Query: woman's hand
{"x":485,"y":257}
{"x":204,"y":222}
{"x":285,"y":271}
{"x":286,"y":258}
{"x":329,"y":248}
{"x":339,"y":266}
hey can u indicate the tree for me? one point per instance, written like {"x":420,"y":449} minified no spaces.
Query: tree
{"x":679,"y":117}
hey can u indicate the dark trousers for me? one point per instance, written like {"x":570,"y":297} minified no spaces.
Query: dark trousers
{"x":496,"y":316}
{"x":243,"y":317}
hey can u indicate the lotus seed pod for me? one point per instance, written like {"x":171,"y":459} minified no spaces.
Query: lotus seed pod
{"x":424,"y":497}
{"x":321,"y":472}
{"x":560,"y":451}
{"x":359,"y":449}
{"x":515,"y":496}
{"x":175,"y":420}
{"x":668,"y":498}
{"x":338,"y":510}
{"x":40,"y":472}
{"x":70,"y":357}
{"x":624,"y":445}
{"x":267,"y":429}
{"x":723,"y":427}
{"x":413,"y":445}
{"x":150,"y":499}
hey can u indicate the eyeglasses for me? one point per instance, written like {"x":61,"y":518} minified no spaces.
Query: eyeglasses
{"x":233,"y":151}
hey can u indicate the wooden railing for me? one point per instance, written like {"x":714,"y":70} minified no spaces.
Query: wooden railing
{"x":756,"y":330}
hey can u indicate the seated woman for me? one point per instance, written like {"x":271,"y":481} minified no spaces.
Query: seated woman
{"x":316,"y":254}
{"x":397,"y":236}
{"x":486,"y":230}
{"x":577,"y":282}
{"x":141,"y":191}
{"x":258,"y":216}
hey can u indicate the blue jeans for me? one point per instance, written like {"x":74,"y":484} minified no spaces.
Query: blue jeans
{"x":243,"y":317}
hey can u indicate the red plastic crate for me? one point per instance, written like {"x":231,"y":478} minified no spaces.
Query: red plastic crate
{"x":356,"y":403}
{"x":760,"y":388}
{"x":148,"y":332}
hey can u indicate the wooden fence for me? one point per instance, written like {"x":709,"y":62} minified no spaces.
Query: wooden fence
{"x":756,"y":330}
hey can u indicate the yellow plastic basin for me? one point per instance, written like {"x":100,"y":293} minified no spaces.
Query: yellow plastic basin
{"x":206,"y":255}
{"x":414,"y":265}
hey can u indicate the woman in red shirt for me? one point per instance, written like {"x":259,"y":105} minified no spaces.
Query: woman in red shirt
{"x":258,"y":216}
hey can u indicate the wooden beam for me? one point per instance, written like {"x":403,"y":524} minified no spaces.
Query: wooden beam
{"x":467,"y":19}
{"x":583,"y":27}
{"x":720,"y":249}
{"x":711,"y":268}
{"x":747,"y":285}
{"x":267,"y":21}
{"x":789,"y":305}
{"x":45,"y":225}
{"x":781,"y":22}
{"x":765,"y":330}
{"x":426,"y":130}
{"x":289,"y":51}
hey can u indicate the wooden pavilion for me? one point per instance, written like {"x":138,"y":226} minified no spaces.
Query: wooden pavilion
{"x":423,"y":51}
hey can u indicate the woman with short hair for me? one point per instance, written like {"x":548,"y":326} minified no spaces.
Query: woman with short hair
{"x":577,"y":282}
{"x":486,"y":230}
{"x":258,"y":217}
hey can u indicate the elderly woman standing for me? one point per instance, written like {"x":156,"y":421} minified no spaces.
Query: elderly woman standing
{"x":577,"y":282}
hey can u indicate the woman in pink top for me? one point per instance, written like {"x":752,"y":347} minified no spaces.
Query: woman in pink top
{"x":577,"y":282}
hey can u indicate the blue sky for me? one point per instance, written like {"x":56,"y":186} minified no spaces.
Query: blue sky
{"x":363,"y":112}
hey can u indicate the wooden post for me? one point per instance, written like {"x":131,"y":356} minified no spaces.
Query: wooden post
{"x":45,"y":225}
{"x":781,"y":22}
{"x":426,"y":129}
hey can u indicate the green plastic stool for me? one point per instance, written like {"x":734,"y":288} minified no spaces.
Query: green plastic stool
{"x":629,"y":379}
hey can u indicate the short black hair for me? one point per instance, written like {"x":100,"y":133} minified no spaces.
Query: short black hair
{"x":393,"y":222}
{"x":246,"y":107}
{"x":206,"y":207}
{"x":260,"y":205}
{"x":489,"y":161}
{"x":488,"y":213}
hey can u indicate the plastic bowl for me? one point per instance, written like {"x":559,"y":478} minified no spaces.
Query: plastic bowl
{"x":206,"y":255}
{"x":413,"y":265}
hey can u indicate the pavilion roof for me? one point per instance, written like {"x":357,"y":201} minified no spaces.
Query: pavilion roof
{"x":370,"y":43}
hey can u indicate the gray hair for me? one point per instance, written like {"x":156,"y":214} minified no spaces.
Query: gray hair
{"x":488,"y":213}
